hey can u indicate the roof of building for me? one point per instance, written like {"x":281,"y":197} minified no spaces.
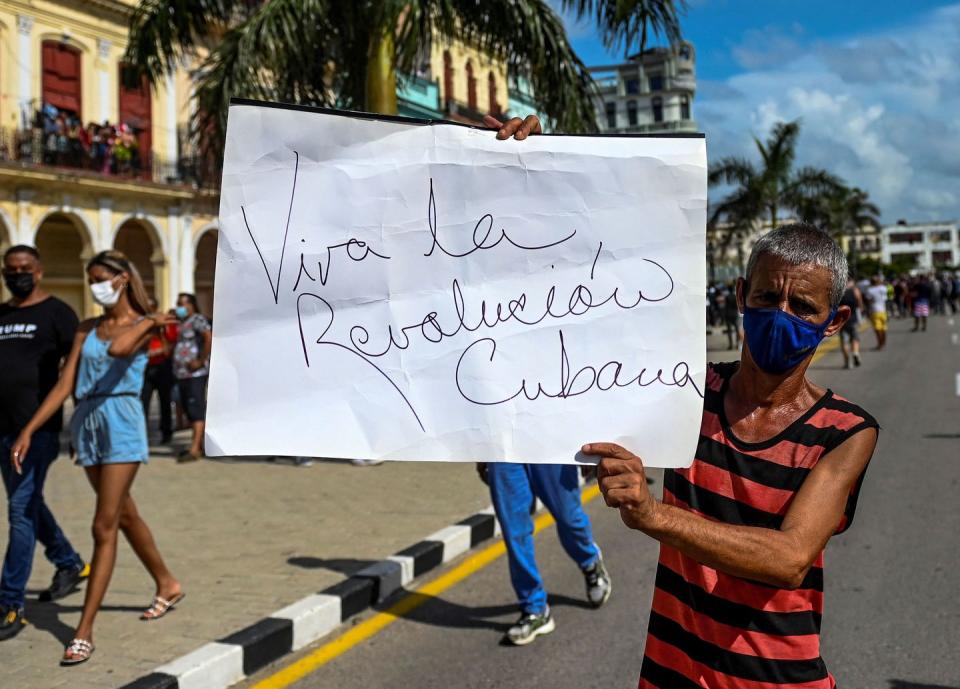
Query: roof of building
{"x":922,"y":223}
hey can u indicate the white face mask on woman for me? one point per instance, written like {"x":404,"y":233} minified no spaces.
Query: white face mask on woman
{"x":105,"y":294}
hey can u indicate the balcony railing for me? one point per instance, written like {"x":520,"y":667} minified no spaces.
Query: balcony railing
{"x":669,"y":126}
{"x":33,"y":148}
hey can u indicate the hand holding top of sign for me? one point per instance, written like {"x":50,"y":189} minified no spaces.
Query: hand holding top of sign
{"x":623,"y":483}
{"x":515,"y":127}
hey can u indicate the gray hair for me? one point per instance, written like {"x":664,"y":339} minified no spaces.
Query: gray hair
{"x":799,"y":244}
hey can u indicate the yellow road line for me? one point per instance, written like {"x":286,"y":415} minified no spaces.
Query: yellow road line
{"x":412,"y":601}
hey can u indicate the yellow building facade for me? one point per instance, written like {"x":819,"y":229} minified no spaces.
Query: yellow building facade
{"x":60,"y":71}
{"x":470,"y":81}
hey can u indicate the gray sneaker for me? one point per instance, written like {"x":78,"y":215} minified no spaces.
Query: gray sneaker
{"x":529,"y":627}
{"x":599,"y":586}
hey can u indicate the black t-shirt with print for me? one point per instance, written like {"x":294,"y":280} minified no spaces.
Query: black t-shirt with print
{"x":33,"y":340}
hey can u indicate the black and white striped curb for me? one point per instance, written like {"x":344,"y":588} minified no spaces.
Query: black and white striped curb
{"x":219,"y":664}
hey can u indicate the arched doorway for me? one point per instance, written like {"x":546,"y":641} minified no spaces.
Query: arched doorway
{"x":139,"y":242}
{"x":64,"y":247}
{"x":204,"y":268}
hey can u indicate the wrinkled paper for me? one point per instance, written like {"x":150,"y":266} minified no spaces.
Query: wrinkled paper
{"x":405,"y":290}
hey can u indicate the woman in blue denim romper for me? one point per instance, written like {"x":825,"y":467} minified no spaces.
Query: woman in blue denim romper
{"x":104,"y":372}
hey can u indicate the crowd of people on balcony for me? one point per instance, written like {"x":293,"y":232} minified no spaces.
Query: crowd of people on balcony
{"x":58,"y":137}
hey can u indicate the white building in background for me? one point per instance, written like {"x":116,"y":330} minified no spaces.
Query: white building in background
{"x":930,"y":244}
{"x":651,"y":92}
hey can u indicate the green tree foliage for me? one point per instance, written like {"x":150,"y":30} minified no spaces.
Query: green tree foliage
{"x":762,"y":192}
{"x":331,"y":52}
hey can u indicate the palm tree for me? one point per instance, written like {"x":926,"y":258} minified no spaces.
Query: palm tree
{"x":763,"y":192}
{"x":347,"y":54}
{"x":842,"y":213}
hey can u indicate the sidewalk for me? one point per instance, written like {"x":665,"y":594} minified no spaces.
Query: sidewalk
{"x":246,"y":536}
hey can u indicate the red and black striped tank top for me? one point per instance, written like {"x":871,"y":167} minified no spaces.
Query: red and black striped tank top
{"x":715,"y":630}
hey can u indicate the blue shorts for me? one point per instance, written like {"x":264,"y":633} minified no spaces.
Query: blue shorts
{"x":109,"y":430}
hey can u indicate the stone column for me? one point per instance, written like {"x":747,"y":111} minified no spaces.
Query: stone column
{"x":167,"y":294}
{"x":181,"y":267}
{"x":188,"y":255}
{"x":25,"y":69}
{"x":103,"y":79}
{"x":23,"y":233}
{"x":170,"y":152}
{"x":104,"y":240}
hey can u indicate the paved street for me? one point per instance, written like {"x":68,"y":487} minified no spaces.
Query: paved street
{"x":892,"y":612}
{"x":249,"y":537}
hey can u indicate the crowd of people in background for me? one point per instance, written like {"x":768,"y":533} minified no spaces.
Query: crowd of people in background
{"x":922,"y":295}
{"x":723,"y":312}
{"x":876,"y":299}
{"x":59,"y":137}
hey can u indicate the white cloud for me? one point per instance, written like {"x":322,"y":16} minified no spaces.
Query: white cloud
{"x":935,"y":200}
{"x":880,"y":110}
{"x":768,"y":46}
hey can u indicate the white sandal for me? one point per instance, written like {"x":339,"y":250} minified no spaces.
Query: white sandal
{"x":161,"y":606}
{"x":78,"y":651}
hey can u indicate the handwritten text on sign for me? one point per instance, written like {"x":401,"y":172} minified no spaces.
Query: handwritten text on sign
{"x":406,"y":291}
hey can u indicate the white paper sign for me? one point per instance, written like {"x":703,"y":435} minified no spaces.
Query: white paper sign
{"x":394,"y":289}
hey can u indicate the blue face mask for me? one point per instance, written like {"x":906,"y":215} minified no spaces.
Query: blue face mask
{"x":778,"y":341}
{"x":182,"y":312}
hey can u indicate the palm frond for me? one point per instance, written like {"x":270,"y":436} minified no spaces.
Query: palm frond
{"x":811,"y":181}
{"x":629,"y":23}
{"x":732,"y":170}
{"x":272,"y":55}
{"x":163,"y":32}
{"x":779,"y":151}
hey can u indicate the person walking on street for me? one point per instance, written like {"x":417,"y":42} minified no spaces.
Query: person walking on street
{"x":191,"y":361}
{"x":921,"y":294}
{"x":36,"y":331}
{"x":877,"y":296}
{"x":159,"y":375}
{"x":954,"y":281}
{"x":731,"y":319}
{"x":104,"y":372}
{"x":936,"y":301}
{"x":850,"y":334}
{"x":513,"y":490}
{"x":738,"y":597}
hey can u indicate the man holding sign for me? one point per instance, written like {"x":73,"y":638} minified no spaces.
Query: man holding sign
{"x":778,"y":468}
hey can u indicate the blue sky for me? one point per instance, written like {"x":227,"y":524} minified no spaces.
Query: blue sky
{"x":876,"y":86}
